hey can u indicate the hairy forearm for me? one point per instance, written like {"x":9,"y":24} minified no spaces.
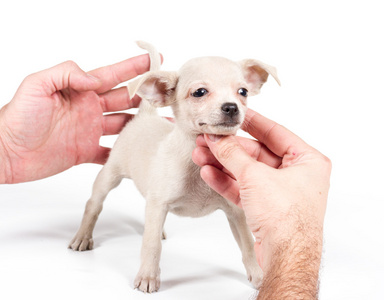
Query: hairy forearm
{"x":293,"y":269}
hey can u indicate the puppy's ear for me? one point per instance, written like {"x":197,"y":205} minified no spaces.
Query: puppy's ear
{"x":158,"y":87}
{"x":256,"y":74}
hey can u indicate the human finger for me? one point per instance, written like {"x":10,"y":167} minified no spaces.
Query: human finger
{"x":255,"y":149}
{"x":202,"y":156}
{"x":114,"y":123}
{"x":101,"y":156}
{"x":276,"y":137}
{"x":120,"y":72}
{"x":118,"y":99}
{"x":229,"y":153}
{"x":260,"y":152}
{"x":222,"y":183}
{"x":60,"y":77}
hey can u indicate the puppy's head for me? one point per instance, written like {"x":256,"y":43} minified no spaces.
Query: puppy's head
{"x":208,"y":94}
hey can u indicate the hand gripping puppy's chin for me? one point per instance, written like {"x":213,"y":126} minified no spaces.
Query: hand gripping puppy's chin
{"x":207,"y":95}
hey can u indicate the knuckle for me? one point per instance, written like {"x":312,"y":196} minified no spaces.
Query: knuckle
{"x":69,"y":66}
{"x":70,"y":63}
{"x":227,"y":151}
{"x":327,"y":162}
{"x":29,"y":78}
{"x":323,"y":163}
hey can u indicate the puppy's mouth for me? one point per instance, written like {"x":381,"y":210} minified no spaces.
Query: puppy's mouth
{"x":222,"y":124}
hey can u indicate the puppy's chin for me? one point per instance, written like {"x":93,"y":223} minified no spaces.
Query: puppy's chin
{"x":220,"y":129}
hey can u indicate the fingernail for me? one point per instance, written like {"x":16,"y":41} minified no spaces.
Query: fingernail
{"x":214,"y":138}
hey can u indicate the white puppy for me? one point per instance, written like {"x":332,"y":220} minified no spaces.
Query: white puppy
{"x":207,"y":95}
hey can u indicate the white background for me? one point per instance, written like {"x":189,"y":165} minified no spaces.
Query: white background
{"x":329,"y":56}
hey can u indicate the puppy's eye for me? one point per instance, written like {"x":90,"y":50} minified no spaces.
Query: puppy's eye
{"x":243,"y":92}
{"x":199,"y":93}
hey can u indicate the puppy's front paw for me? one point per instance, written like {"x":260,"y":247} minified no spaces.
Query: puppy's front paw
{"x":81,"y":243}
{"x":256,"y":277}
{"x":147,"y":283}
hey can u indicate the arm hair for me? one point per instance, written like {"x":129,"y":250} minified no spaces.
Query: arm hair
{"x":293,"y":272}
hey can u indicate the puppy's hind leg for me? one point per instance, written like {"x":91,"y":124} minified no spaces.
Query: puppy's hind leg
{"x":106,"y":180}
{"x":245,"y":241}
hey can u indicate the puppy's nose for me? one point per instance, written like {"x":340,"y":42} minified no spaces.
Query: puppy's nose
{"x":230,"y":109}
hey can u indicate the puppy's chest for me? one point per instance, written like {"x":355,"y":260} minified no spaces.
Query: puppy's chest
{"x":196,"y":198}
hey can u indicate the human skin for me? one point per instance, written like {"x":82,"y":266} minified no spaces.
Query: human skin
{"x":282,"y":184}
{"x":56,"y":118}
{"x":55,"y":121}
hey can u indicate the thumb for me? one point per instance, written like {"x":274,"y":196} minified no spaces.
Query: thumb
{"x":229,"y":153}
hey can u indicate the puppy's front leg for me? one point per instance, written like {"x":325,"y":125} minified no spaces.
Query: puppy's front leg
{"x":245,"y":241}
{"x":148,"y":277}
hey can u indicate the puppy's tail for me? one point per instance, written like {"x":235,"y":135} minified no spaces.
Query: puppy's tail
{"x":155,"y":64}
{"x":153,"y":55}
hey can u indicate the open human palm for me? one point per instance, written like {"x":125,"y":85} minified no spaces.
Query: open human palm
{"x":56,"y":118}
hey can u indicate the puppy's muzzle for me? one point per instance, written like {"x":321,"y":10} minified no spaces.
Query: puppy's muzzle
{"x":225,"y":121}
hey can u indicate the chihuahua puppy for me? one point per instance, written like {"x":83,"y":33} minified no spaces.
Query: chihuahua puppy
{"x":207,"y":95}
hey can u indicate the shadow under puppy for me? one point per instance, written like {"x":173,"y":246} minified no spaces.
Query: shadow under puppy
{"x":207,"y":95}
